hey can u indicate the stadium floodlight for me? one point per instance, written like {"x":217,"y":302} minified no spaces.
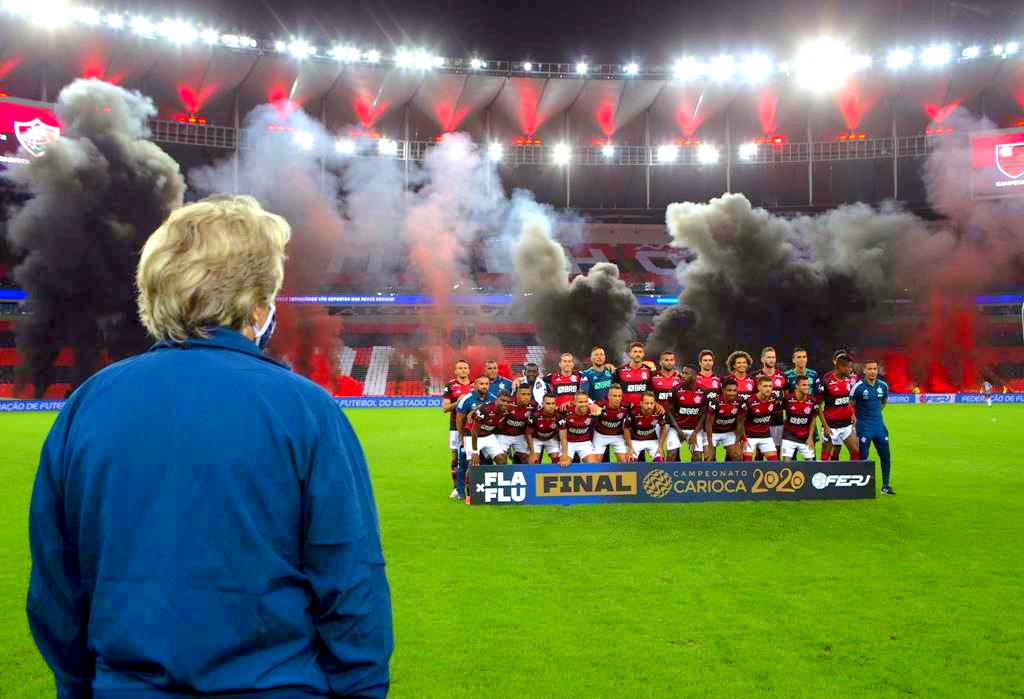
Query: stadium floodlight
{"x":88,"y":16}
{"x":178,"y":31}
{"x":248,"y":41}
{"x":372,"y":56}
{"x":998,"y":50}
{"x":936,"y":55}
{"x":631,"y":69}
{"x":528,"y":66}
{"x":300,"y":49}
{"x":303,"y":139}
{"x":582,"y":68}
{"x":748,"y":151}
{"x":345,"y":146}
{"x":785,"y":67}
{"x":722,"y":68}
{"x":688,"y":68}
{"x":209,"y":36}
{"x":437,"y":62}
{"x":971,"y":52}
{"x":496,"y":152}
{"x":756,"y":68}
{"x":114,"y":20}
{"x":899,"y":59}
{"x":455,"y":148}
{"x":667,"y":153}
{"x":823,"y":65}
{"x":142,"y":26}
{"x":232,"y":40}
{"x":280,"y":46}
{"x":1012,"y":48}
{"x":608,"y":151}
{"x":707,"y":154}
{"x":476,"y":64}
{"x":403,"y":58}
{"x":422,"y":60}
{"x":387,"y":147}
{"x":861,"y":61}
{"x":562,"y":154}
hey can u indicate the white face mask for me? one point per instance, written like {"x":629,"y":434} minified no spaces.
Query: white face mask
{"x":264,"y":333}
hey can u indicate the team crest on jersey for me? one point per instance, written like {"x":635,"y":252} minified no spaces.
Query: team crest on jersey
{"x":575,"y":378}
{"x":807,"y":411}
{"x":696,"y":398}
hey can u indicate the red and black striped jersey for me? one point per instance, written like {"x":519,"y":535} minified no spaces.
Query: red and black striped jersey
{"x":688,"y":405}
{"x":664,"y":388}
{"x":759,"y":416}
{"x":578,"y":428}
{"x":611,"y":420}
{"x":634,"y":382}
{"x":643,"y":427}
{"x":544,"y":427}
{"x":834,"y":393}
{"x":454,"y":390}
{"x":799,"y":418}
{"x":725,"y":413}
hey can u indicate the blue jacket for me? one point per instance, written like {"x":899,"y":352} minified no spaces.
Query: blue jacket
{"x":202,"y":521}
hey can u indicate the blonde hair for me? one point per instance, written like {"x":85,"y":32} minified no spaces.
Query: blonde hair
{"x":210,"y":264}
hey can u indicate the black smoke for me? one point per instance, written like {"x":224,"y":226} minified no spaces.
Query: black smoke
{"x":96,"y":196}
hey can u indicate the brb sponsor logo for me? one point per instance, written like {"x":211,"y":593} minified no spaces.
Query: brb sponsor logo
{"x":824,"y":480}
{"x":584,"y":484}
{"x":497,"y":487}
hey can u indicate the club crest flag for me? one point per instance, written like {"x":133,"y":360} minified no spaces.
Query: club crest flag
{"x":1010,"y":159}
{"x":34,"y":136}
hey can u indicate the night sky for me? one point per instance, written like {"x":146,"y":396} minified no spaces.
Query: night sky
{"x":651,"y":31}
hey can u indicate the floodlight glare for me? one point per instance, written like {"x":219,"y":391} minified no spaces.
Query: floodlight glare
{"x":707,"y":154}
{"x":756,"y":68}
{"x":209,"y":36}
{"x":936,"y":55}
{"x":562,"y":154}
{"x":899,"y":59}
{"x":527,"y":66}
{"x":300,"y":49}
{"x":1012,"y":48}
{"x":667,"y":154}
{"x":476,"y":64}
{"x":998,"y":50}
{"x":688,"y":69}
{"x":971,"y":52}
{"x":142,"y":25}
{"x":631,"y":69}
{"x":608,"y":151}
{"x":386,"y":146}
{"x":345,"y":146}
{"x":303,"y":140}
{"x":748,"y":151}
{"x":496,"y":152}
{"x":114,"y":20}
{"x":280,"y":46}
{"x":89,"y":16}
{"x":178,"y":31}
{"x":722,"y":68}
{"x":582,"y":68}
{"x":824,"y":65}
{"x":372,"y":56}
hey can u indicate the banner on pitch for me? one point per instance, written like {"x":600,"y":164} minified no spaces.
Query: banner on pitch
{"x":578,"y":484}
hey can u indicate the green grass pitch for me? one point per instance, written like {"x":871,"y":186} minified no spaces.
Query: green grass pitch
{"x":916,"y":594}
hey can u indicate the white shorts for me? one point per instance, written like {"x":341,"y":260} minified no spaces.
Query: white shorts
{"x":789,"y":448}
{"x":580,"y":449}
{"x":518,"y":443}
{"x":489,"y":446}
{"x":551,"y":446}
{"x":777,"y":435}
{"x":617,"y":442}
{"x":723,"y":439}
{"x":701,"y":438}
{"x":649,"y":445}
{"x":841,"y":433}
{"x":672,"y":441}
{"x":765,"y":444}
{"x":453,"y":439}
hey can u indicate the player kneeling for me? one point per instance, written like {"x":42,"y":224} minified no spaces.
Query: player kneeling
{"x":798,"y":432}
{"x":609,"y":429}
{"x":512,"y":433}
{"x":757,"y":423}
{"x":542,"y":432}
{"x":484,"y":439}
{"x":577,"y":433}
{"x":645,"y":430}
{"x":724,"y":423}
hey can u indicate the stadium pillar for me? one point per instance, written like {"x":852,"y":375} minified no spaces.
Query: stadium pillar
{"x":728,"y":153}
{"x":238,"y":136}
{"x":647,"y":158}
{"x":895,"y":160}
{"x":810,"y":161}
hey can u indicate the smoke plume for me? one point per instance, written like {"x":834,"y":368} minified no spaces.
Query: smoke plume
{"x":594,"y":309}
{"x":763,"y":279}
{"x":97,"y":195}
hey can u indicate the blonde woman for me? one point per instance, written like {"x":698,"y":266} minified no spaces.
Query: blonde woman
{"x":202,"y":519}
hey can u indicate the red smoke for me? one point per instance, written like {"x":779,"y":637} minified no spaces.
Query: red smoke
{"x":366,"y":112}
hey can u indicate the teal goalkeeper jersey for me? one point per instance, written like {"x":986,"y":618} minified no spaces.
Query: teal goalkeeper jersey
{"x":598,"y":382}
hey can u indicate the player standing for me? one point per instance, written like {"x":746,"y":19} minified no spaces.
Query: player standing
{"x":723,"y":425}
{"x":464,"y":410}
{"x":577,"y":433}
{"x":738,"y":363}
{"x":542,"y":432}
{"x":566,"y":382}
{"x":800,"y":369}
{"x":512,"y":432}
{"x":837,"y":414}
{"x":706,"y":381}
{"x":645,"y":430}
{"x":801,"y":410}
{"x":635,"y":376}
{"x":779,"y":387}
{"x":498,"y":383}
{"x":663,"y":386}
{"x":610,"y":425}
{"x":986,"y":389}
{"x":760,"y":408}
{"x":599,"y":375}
{"x":453,"y":391}
{"x":687,"y":417}
{"x":869,"y":397}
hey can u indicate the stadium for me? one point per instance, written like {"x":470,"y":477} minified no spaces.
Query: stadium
{"x":849,"y":207}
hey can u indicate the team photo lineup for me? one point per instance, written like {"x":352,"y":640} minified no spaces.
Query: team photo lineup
{"x":641,"y":411}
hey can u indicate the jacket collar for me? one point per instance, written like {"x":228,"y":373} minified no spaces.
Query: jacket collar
{"x":220,"y":338}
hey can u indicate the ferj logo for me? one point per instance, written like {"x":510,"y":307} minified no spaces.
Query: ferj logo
{"x":34,"y":136}
{"x":657,"y":483}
